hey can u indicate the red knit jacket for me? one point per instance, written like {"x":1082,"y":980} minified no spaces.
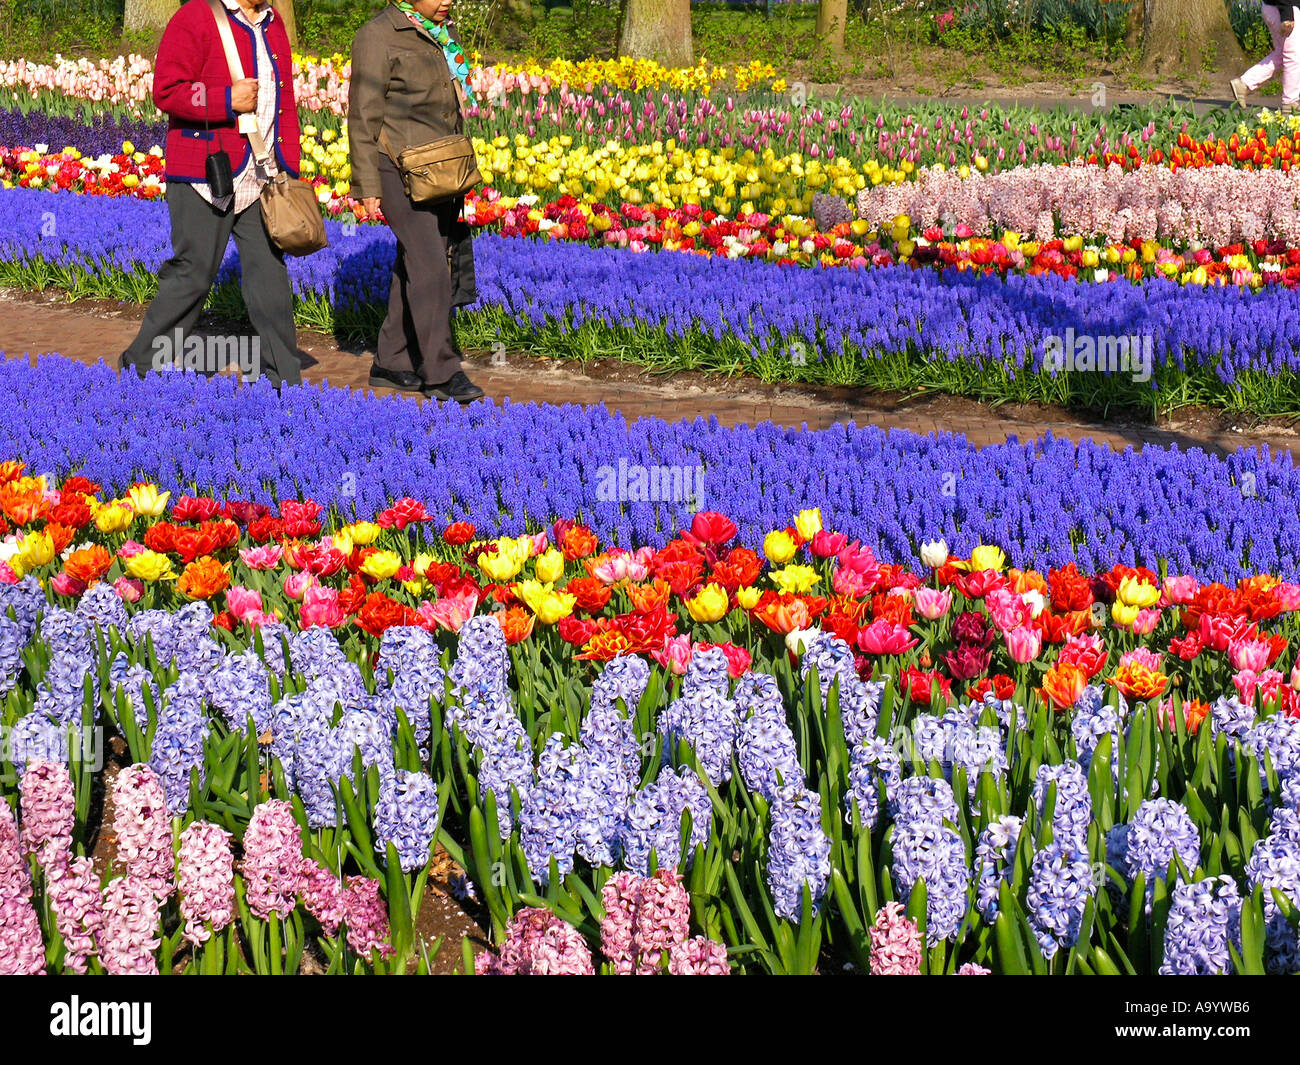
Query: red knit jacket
{"x":191,"y":83}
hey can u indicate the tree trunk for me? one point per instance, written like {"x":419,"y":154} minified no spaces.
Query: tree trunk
{"x":831,"y":15}
{"x":284,"y":8}
{"x":657,"y":29}
{"x":517,"y":12}
{"x":1187,"y":37}
{"x":148,"y":16}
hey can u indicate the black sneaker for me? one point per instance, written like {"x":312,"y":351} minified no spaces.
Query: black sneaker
{"x":460,"y":388}
{"x":403,"y":380}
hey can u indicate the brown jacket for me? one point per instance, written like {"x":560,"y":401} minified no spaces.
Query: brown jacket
{"x":400,"y":86}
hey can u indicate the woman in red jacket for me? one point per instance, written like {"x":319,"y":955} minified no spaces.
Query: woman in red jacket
{"x":192,"y":84}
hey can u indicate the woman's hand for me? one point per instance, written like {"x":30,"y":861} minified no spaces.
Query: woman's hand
{"x":371,"y":204}
{"x":243,"y":96}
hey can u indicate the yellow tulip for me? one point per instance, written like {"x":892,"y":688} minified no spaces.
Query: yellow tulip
{"x":549,"y":605}
{"x":710,"y":604}
{"x":1133,"y":592}
{"x":36,"y":549}
{"x":422,"y":562}
{"x":114,"y":517}
{"x":748,"y":597}
{"x":150,"y":566}
{"x":147,"y":500}
{"x":779,"y":547}
{"x":382,"y":565}
{"x":985,"y":557}
{"x":362,"y":532}
{"x":1124,"y":613}
{"x":500,"y":566}
{"x":795,"y":579}
{"x":549,"y":566}
{"x":809,"y":522}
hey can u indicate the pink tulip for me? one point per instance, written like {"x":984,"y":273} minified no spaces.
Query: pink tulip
{"x":1023,"y":643}
{"x":1143,"y":656}
{"x":266,"y":556}
{"x":130,"y":549}
{"x":129,"y":589}
{"x":885,"y":637}
{"x":931,"y":603}
{"x":242,"y":601}
{"x":66,"y":584}
{"x":452,"y":611}
{"x":1249,"y":654}
{"x":296,"y":585}
{"x":675,"y":655}
{"x":824,"y":544}
{"x":320,"y":607}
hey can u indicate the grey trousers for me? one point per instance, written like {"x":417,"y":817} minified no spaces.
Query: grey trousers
{"x":416,"y":334}
{"x":199,"y":237}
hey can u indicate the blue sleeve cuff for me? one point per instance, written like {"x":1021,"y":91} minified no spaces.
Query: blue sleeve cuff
{"x":230,"y":109}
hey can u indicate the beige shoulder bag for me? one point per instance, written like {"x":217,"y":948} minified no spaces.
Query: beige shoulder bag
{"x":438,"y":170}
{"x":289,"y":207}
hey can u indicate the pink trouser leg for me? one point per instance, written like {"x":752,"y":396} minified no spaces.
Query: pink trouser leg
{"x":1285,"y":54}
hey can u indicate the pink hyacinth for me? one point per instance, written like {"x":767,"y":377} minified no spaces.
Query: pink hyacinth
{"x":72,"y":890}
{"x":323,"y":895}
{"x":538,"y":944}
{"x":48,"y":809}
{"x":129,"y":934}
{"x":206,"y":880}
{"x":143,"y":827}
{"x":367,"y":917}
{"x":644,"y":918}
{"x":272,"y":860}
{"x":971,"y":969}
{"x":22,"y":951}
{"x":895,"y":943}
{"x":698,"y":956}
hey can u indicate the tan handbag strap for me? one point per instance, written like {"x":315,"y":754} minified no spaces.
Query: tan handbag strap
{"x":387,"y":145}
{"x":260,"y":151}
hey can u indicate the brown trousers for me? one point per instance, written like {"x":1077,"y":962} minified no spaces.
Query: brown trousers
{"x":416,"y":334}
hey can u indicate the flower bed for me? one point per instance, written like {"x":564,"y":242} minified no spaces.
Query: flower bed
{"x":961,"y":332}
{"x":804,"y":756}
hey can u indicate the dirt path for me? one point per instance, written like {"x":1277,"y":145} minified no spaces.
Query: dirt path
{"x":95,"y":330}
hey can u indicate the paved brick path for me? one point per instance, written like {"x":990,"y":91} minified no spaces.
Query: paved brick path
{"x":91,"y":330}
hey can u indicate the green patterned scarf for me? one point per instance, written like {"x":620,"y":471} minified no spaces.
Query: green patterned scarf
{"x":454,"y":53}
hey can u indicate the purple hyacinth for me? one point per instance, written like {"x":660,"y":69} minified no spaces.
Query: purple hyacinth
{"x":705,"y":718}
{"x":1060,"y":885}
{"x":102,"y":606}
{"x":1274,"y":865}
{"x":871,"y":765}
{"x":178,"y":740}
{"x":924,"y":799}
{"x":995,"y":853}
{"x":1204,"y":918}
{"x":654,"y":819}
{"x":407,"y":817}
{"x":798,"y":851}
{"x":1093,"y":719}
{"x":1072,"y":812}
{"x":239,"y":689}
{"x":1160,"y":830}
{"x":765,"y":746}
{"x":927,"y":850}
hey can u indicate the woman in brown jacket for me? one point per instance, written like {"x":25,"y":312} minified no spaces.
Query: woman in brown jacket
{"x":409,"y":86}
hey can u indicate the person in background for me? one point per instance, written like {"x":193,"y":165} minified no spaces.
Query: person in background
{"x":410,"y":82}
{"x":192,"y":86}
{"x":1280,"y":17}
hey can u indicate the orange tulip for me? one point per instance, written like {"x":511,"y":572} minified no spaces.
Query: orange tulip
{"x":89,"y":564}
{"x":1137,"y":681}
{"x":203,"y":578}
{"x":646,"y":598}
{"x":1063,"y":684}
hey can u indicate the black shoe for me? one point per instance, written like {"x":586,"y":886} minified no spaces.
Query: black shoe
{"x":403,"y":380}
{"x":460,"y":388}
{"x":123,"y":363}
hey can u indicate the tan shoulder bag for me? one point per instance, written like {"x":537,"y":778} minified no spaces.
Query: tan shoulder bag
{"x":438,"y":170}
{"x":290,"y":210}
